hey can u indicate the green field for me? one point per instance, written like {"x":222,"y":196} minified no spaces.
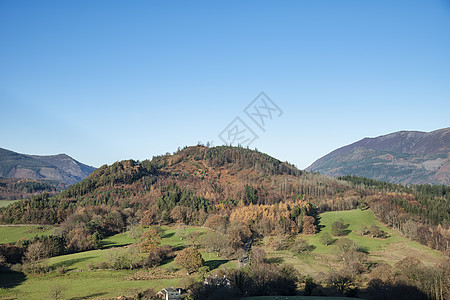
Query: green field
{"x":11,"y":234}
{"x":4,"y":203}
{"x":323,"y":258}
{"x":82,"y":283}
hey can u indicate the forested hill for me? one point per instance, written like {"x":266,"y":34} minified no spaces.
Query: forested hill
{"x":61,"y":167}
{"x":196,"y":183}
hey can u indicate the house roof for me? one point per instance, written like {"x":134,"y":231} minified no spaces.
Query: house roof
{"x":170,"y":289}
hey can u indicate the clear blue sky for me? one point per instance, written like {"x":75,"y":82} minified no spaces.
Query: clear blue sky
{"x":111,"y":80}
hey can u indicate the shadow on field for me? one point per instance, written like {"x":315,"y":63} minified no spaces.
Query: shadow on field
{"x":94,"y":295}
{"x":319,"y":226}
{"x":107,"y":245}
{"x":274,"y":260}
{"x":10,"y":279}
{"x":214,"y":264}
{"x":70,"y":262}
{"x":168,"y":235}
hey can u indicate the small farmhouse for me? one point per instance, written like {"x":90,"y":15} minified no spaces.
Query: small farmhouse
{"x":169,"y":294}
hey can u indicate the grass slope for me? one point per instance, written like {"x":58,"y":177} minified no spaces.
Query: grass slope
{"x":4,"y":203}
{"x":82,"y":283}
{"x":11,"y":234}
{"x":323,"y":258}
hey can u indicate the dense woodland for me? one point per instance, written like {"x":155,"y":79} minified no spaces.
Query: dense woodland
{"x":238,"y":192}
{"x":12,"y":189}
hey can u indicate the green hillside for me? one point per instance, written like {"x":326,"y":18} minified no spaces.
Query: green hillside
{"x":11,"y":234}
{"x":81,"y":281}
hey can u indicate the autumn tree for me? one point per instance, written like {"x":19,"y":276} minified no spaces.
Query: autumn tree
{"x":343,"y":245}
{"x":341,"y":281}
{"x":300,"y":246}
{"x":257,"y":255}
{"x":239,"y":234}
{"x":190,"y":259}
{"x":279,"y":242}
{"x":181,"y":232}
{"x":355,"y":262}
{"x":36,"y":252}
{"x":34,"y":255}
{"x":376,"y":232}
{"x":217,"y":242}
{"x":217,"y":223}
{"x":181,"y":214}
{"x":308,"y":225}
{"x":149,"y":217}
{"x":156,"y":257}
{"x":149,"y":240}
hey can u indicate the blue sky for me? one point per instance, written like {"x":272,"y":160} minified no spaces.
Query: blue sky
{"x":109,"y":80}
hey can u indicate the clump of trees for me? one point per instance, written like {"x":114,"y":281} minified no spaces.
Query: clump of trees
{"x":258,"y":278}
{"x":373,"y":231}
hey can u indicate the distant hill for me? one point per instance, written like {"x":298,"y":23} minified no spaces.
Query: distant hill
{"x":61,"y":167}
{"x":197,"y":183}
{"x":407,"y":157}
{"x":18,"y":188}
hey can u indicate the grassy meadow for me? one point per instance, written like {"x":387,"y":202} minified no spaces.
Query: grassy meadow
{"x":82,"y":282}
{"x":13,"y":233}
{"x":323,"y":258}
{"x":4,"y":203}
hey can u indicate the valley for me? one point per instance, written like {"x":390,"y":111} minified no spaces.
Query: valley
{"x":133,"y":228}
{"x":82,"y":279}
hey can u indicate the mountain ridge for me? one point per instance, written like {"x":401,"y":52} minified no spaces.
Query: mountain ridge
{"x":59,"y":167}
{"x":408,"y":157}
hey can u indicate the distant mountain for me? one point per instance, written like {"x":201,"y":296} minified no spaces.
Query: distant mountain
{"x":59,"y":167}
{"x":408,"y":157}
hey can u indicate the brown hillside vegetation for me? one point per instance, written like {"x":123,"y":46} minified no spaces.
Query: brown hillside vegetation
{"x":244,"y":196}
{"x":197,"y":181}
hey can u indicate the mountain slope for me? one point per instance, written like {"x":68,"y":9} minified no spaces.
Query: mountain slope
{"x":198,"y":183}
{"x":408,"y":157}
{"x":60,"y":167}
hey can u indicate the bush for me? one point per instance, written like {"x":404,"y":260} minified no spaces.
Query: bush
{"x":344,"y":245}
{"x":157,"y":256}
{"x":300,"y":246}
{"x":280,"y":242}
{"x":103,"y":265}
{"x":376,"y":232}
{"x":17,"y":268}
{"x":326,"y":239}
{"x":338,"y":228}
{"x":61,"y":269}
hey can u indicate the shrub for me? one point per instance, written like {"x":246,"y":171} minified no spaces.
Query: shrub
{"x":338,"y":228}
{"x":158,"y":255}
{"x":300,"y":246}
{"x":61,"y":269}
{"x":326,"y":239}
